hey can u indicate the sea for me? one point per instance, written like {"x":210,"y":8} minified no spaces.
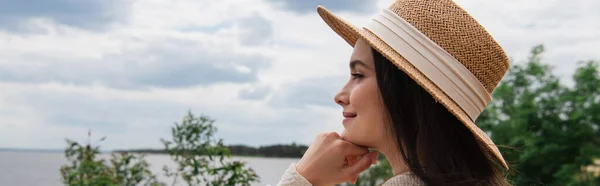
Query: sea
{"x":30,"y":168}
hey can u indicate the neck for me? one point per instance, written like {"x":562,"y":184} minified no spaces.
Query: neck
{"x":395,"y":159}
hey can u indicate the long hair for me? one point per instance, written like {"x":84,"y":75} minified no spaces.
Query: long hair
{"x":433,"y":143}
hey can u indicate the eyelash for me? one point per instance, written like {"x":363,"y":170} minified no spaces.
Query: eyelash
{"x":356,"y":75}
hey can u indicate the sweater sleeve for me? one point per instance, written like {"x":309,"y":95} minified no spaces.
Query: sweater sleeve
{"x":291,"y":177}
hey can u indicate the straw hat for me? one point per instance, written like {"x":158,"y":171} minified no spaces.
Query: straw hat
{"x":441,"y":47}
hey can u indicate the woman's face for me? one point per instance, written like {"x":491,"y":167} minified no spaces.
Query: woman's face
{"x":363,"y":110}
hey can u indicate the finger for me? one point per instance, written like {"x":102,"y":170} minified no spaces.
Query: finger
{"x":332,"y":135}
{"x":351,"y":160}
{"x":363,"y":164}
{"x":350,"y":149}
{"x":375,"y":160}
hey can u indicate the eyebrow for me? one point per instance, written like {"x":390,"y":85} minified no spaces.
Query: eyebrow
{"x":356,"y":62}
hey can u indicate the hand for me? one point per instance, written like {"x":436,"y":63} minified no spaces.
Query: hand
{"x":331,"y":160}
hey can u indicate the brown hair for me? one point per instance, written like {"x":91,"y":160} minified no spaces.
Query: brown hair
{"x":436,"y":146}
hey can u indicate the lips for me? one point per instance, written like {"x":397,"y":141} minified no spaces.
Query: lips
{"x":348,"y":117}
{"x":349,"y":114}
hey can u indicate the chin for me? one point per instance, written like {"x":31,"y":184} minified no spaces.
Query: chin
{"x":352,"y":138}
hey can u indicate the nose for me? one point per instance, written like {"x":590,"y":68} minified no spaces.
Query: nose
{"x":342,"y":97}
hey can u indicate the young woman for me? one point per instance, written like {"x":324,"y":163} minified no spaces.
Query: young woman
{"x":421,"y":73}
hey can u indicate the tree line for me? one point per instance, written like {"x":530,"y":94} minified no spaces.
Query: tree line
{"x":278,"y":150}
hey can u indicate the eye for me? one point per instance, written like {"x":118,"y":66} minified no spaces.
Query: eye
{"x":356,"y":76}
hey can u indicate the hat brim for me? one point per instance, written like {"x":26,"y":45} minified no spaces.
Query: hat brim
{"x":351,"y":34}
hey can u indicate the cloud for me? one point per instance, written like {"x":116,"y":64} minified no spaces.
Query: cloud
{"x":156,"y":65}
{"x":125,"y":60}
{"x":257,"y":92}
{"x":256,"y":30}
{"x":88,"y":14}
{"x":309,"y":92}
{"x":309,"y":6}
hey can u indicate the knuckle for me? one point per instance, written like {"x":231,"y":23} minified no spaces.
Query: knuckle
{"x":336,"y":135}
{"x":333,"y":135}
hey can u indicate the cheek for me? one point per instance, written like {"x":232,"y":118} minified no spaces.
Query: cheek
{"x":365,"y":95}
{"x":368,"y":129}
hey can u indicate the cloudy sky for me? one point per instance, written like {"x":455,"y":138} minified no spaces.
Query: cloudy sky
{"x":266,"y":70}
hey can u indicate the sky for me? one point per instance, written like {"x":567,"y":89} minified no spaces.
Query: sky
{"x":265,"y":70}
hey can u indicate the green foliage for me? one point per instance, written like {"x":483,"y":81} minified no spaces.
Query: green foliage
{"x":200,"y":157}
{"x":550,"y":130}
{"x":85,"y":167}
{"x":131,"y":169}
{"x":201,"y":160}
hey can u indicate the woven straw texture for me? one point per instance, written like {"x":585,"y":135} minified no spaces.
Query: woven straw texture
{"x":451,"y":27}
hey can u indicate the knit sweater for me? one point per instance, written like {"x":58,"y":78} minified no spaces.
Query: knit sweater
{"x":292,"y":178}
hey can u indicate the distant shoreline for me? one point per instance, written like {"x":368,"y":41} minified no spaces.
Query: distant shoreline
{"x":269,"y":151}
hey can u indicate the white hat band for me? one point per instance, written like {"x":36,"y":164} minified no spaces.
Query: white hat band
{"x":432,"y":60}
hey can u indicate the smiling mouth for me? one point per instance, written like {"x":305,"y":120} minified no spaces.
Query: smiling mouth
{"x":348,"y":116}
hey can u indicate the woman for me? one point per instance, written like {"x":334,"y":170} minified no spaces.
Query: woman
{"x":421,"y":73}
